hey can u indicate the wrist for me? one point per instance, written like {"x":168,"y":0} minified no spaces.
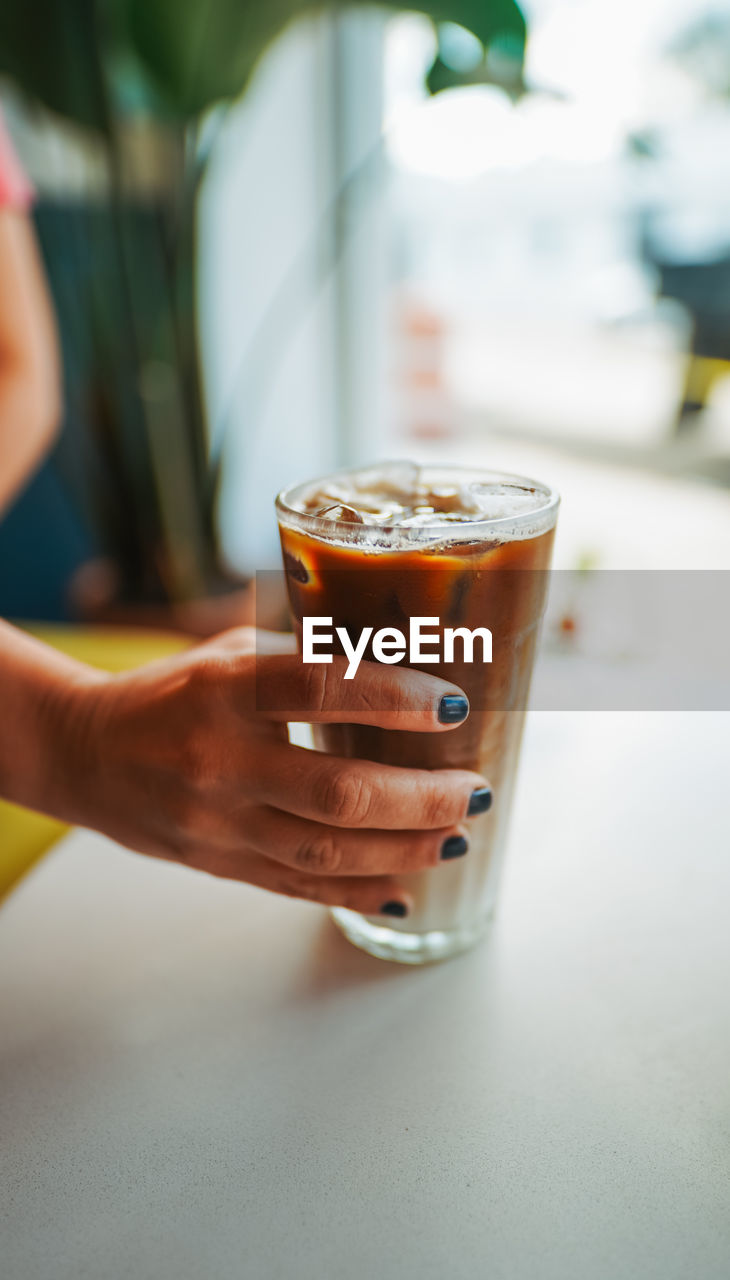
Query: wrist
{"x":47,"y":701}
{"x":68,"y":743}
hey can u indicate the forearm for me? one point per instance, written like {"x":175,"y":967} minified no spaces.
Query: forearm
{"x":28,"y":421}
{"x":44,"y":697}
{"x":30,"y":386}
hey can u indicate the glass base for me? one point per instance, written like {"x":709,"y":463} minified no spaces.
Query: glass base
{"x":409,"y":948}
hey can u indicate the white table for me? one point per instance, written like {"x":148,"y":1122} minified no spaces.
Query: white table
{"x":202,"y":1080}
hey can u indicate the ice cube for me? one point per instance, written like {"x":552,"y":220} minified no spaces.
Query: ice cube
{"x":498,"y":500}
{"x":453,"y":500}
{"x":341,"y":512}
{"x":468,"y":501}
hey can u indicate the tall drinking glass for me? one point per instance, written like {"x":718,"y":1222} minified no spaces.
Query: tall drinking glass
{"x":378,"y":546}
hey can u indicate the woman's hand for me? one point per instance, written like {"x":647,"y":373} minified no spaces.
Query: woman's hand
{"x":175,"y":760}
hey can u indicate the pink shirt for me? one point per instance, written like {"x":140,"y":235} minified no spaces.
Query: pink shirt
{"x":16,"y":191}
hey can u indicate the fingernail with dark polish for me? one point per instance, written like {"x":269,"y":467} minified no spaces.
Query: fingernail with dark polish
{"x":454,"y":847}
{"x":479,"y":801}
{"x":453,"y":708}
{"x":394,"y":909}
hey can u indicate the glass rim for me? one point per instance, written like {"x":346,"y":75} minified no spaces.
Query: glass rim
{"x":344,"y":531}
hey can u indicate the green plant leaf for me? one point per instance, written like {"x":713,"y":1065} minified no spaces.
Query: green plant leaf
{"x":501,"y":65}
{"x":200,"y":53}
{"x":183,"y":56}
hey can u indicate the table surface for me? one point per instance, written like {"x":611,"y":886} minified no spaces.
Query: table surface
{"x":201,"y":1079}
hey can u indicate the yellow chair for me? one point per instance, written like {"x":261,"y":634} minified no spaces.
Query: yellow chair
{"x":26,"y":836}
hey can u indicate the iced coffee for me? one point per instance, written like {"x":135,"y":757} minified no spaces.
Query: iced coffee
{"x":379,"y":546}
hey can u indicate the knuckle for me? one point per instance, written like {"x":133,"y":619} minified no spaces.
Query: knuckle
{"x":315,"y":686}
{"x":202,"y":674}
{"x":398,"y":687}
{"x":438,"y":806}
{"x":320,"y":853}
{"x":202,"y":686}
{"x":246,"y":639}
{"x":379,"y":689}
{"x":345,"y":797}
{"x":193,"y":763}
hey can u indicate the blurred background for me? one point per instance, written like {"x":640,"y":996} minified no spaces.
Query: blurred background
{"x":283,"y":239}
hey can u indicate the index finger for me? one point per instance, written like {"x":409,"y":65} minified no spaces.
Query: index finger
{"x":289,"y":689}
